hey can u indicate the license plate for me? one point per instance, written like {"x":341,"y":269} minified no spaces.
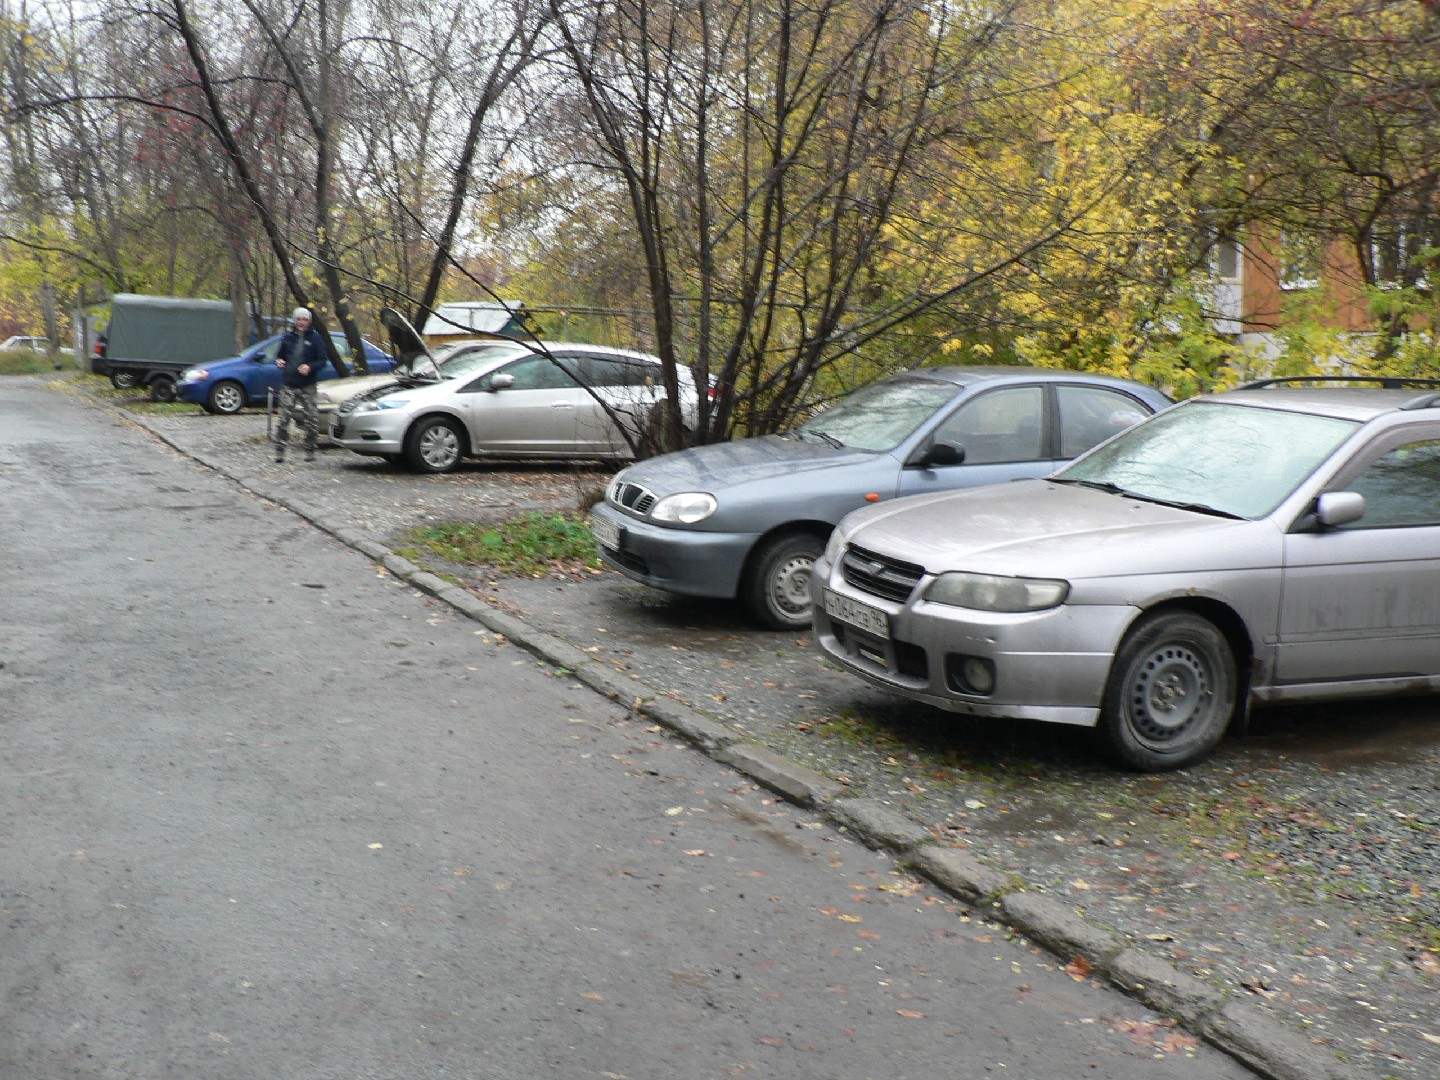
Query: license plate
{"x":606,"y":533}
{"x":859,"y":615}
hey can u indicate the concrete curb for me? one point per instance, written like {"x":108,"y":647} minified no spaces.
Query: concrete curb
{"x":1241,"y":1029}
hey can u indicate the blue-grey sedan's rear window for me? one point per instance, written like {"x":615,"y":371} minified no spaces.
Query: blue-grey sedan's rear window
{"x":880,"y":417}
{"x":1233,"y":459}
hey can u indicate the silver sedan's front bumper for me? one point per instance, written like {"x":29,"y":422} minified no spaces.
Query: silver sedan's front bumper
{"x":1048,"y":665}
{"x":370,"y":432}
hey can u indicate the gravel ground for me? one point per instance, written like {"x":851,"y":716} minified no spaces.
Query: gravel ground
{"x":1298,"y":868}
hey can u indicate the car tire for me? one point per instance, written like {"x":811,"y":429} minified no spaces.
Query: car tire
{"x":226,"y":398}
{"x":162,"y":388}
{"x":776,"y":585}
{"x":434,"y":445}
{"x":122,"y":380}
{"x":1171,"y":692}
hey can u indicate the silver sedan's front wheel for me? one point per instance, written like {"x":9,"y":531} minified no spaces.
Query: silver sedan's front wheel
{"x":434,"y":445}
{"x":1171,"y":692}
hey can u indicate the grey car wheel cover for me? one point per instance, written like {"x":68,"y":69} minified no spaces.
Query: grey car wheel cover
{"x":228,"y":398}
{"x":439,"y":446}
{"x":789,"y":587}
{"x":1171,"y":691}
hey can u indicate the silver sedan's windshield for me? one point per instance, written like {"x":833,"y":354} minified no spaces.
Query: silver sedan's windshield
{"x":1231,"y":459}
{"x":462,"y":361}
{"x":879,"y":417}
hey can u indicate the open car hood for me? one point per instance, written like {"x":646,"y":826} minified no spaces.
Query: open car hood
{"x":412,"y":356}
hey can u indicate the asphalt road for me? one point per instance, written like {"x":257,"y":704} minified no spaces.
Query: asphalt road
{"x":266,"y":812}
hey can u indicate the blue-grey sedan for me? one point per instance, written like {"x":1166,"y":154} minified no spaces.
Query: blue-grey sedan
{"x":1277,"y":543}
{"x":748,"y":518}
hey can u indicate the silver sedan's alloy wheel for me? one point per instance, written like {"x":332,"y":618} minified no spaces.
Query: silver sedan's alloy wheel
{"x":227,"y":398}
{"x":777,"y":589}
{"x":1171,"y":692}
{"x":434,"y":446}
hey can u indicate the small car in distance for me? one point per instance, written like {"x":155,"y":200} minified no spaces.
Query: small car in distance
{"x":746,"y":519}
{"x":1277,"y":543}
{"x":227,"y":386}
{"x":559,"y":400}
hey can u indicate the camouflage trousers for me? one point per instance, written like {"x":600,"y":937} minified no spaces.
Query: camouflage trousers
{"x":297,"y":402}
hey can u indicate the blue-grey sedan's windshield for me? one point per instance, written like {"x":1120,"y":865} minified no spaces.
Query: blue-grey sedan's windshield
{"x":879,"y":417}
{"x":1233,"y":459}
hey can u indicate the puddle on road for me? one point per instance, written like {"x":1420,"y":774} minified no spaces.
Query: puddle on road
{"x":1392,"y":732}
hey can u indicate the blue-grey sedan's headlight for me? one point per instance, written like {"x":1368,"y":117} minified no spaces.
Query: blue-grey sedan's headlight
{"x":383,"y":404}
{"x":194,"y":374}
{"x":686,"y":508}
{"x":990,"y":592}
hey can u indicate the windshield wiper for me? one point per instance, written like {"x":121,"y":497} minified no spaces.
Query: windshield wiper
{"x":1098,"y":485}
{"x":1115,"y":489}
{"x":825,"y":435}
{"x":1199,"y":508}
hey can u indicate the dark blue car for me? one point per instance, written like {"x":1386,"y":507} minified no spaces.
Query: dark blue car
{"x":227,"y":386}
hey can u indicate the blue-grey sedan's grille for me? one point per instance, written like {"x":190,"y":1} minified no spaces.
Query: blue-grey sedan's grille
{"x":880,"y":575}
{"x":633,"y":497}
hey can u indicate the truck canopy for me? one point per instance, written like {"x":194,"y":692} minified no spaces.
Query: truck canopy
{"x":169,"y":328}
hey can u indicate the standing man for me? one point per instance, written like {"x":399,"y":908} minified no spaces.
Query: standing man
{"x":302,"y":354}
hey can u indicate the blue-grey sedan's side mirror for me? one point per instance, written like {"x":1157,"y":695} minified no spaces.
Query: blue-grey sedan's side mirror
{"x":1336,"y":508}
{"x":941,"y":454}
{"x":502,"y":381}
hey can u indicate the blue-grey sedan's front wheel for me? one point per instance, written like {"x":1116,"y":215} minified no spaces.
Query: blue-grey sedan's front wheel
{"x":1171,"y":692}
{"x":434,"y":445}
{"x":776,"y":584}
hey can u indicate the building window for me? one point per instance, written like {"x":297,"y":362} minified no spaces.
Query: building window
{"x":1396,"y":251}
{"x":1299,"y":260}
{"x":1227,"y":257}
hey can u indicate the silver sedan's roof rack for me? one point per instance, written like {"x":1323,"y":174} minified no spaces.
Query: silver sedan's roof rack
{"x":1384,"y":382}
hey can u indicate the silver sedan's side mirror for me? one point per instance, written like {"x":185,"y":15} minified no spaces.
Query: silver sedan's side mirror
{"x":1336,"y":508}
{"x":502,"y":381}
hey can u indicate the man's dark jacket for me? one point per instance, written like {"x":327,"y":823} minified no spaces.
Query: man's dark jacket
{"x":296,"y":350}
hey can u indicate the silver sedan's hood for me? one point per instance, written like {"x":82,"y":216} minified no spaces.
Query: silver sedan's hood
{"x":1034,"y":527}
{"x":742,"y":461}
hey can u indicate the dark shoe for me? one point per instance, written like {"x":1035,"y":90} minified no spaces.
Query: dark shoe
{"x":279,"y":455}
{"x":309,"y":455}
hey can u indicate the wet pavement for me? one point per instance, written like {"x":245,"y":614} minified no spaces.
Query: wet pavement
{"x":1296,"y":870}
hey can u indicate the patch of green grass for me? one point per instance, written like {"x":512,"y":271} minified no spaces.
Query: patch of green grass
{"x":530,"y":545}
{"x":30,"y":362}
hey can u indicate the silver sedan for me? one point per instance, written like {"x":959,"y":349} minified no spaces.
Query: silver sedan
{"x":1277,"y":543}
{"x":563,"y":401}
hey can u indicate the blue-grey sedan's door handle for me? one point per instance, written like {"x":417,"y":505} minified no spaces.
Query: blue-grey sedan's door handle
{"x":562,"y":404}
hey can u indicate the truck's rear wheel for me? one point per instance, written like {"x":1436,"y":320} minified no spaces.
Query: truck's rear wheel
{"x":122,"y":380}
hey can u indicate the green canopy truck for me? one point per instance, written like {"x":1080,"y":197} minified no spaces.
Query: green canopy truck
{"x":150,"y":340}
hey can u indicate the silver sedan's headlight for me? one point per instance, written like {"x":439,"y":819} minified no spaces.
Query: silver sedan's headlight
{"x":687,"y":507}
{"x":990,"y":592}
{"x":382,"y":404}
{"x":835,"y":547}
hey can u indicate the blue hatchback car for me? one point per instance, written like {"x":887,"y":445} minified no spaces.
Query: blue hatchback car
{"x":227,"y":386}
